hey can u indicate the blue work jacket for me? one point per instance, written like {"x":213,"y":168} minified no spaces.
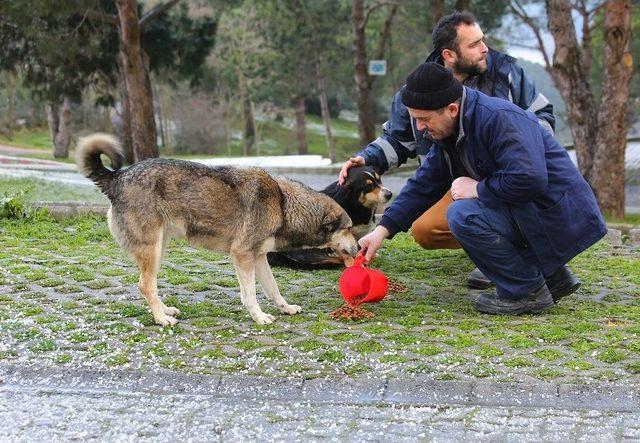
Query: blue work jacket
{"x":518,"y":164}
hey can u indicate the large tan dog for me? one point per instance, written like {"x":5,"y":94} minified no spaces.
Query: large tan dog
{"x":243,"y":212}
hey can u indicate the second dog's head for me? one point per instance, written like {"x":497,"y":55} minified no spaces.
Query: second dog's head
{"x":364,"y":182}
{"x":360,"y":194}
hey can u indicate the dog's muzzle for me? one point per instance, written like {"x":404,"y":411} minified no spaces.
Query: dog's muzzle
{"x":347,"y":247}
{"x":386,"y":194}
{"x":348,"y":255}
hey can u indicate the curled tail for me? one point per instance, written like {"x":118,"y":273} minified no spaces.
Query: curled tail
{"x":89,"y":163}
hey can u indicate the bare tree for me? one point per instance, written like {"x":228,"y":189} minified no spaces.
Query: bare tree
{"x":238,"y":51}
{"x":8,"y":82}
{"x":613,"y":122}
{"x":599,"y":129}
{"x":58,"y":118}
{"x":321,"y":87}
{"x":297,"y":103}
{"x":364,"y":82}
{"x":137,"y":82}
{"x":139,"y":125}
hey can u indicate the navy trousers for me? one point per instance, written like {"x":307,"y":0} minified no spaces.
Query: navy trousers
{"x":493,"y":241}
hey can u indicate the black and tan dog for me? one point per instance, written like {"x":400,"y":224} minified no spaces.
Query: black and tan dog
{"x":360,"y":195}
{"x":243,"y":212}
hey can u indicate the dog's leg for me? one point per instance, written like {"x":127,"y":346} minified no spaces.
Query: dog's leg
{"x":169,"y":310}
{"x":148,"y":258}
{"x":268,"y":283}
{"x":246,"y":271}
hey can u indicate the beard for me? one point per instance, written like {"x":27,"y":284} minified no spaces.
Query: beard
{"x":464,"y":66}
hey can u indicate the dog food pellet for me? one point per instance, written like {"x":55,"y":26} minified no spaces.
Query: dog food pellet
{"x":396,"y":286}
{"x":347,"y":312}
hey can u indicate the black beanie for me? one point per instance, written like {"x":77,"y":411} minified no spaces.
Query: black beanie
{"x":431,"y":86}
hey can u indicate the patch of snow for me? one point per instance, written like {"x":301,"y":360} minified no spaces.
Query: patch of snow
{"x":280,"y":161}
{"x":631,"y":158}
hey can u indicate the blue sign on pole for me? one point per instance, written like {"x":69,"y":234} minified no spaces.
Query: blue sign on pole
{"x":377,"y":67}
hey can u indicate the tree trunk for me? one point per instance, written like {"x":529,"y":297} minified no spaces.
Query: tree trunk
{"x":9,"y":118}
{"x":256,"y":128}
{"x":462,"y":5}
{"x":51,"y":109}
{"x":613,"y":123}
{"x":58,"y":118}
{"x":226,"y":118}
{"x":363,"y":82}
{"x":125,"y":114}
{"x":136,"y":75}
{"x":301,"y":125}
{"x":63,"y":137}
{"x":159,"y":112}
{"x":436,"y":8}
{"x":326,"y":119}
{"x":322,"y":95}
{"x":247,"y":112}
{"x":249,"y":128}
{"x":106,"y":119}
{"x":573,"y":84}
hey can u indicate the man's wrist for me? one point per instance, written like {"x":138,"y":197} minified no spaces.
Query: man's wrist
{"x":382,"y":231}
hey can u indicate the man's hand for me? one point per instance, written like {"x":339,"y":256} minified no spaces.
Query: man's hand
{"x":353,"y":161}
{"x":464,"y":187}
{"x":372,"y":241}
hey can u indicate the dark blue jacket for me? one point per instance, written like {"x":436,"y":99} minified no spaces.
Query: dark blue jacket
{"x":504,"y":78}
{"x":519,"y":164}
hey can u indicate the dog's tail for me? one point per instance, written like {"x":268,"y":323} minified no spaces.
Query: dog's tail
{"x":89,"y":163}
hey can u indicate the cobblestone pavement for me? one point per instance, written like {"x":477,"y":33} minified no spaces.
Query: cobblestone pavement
{"x":45,"y":415}
{"x":69,"y":298}
{"x":180,"y":411}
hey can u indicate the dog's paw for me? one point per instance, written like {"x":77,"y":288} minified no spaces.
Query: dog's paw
{"x":170,"y":310}
{"x":264,"y":319}
{"x":166,"y":320}
{"x":291,"y":309}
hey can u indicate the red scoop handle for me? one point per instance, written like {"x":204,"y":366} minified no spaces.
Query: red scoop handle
{"x":360,"y":260}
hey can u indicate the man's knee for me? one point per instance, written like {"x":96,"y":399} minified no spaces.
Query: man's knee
{"x":423,"y":235}
{"x":458,"y":214}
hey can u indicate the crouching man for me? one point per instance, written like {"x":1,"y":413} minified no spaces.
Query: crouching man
{"x":520,"y":209}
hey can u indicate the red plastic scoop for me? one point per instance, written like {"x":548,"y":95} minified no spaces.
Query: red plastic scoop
{"x":359,"y":284}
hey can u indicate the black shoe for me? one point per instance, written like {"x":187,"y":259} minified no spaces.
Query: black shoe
{"x":477,"y":280}
{"x":533,"y":303}
{"x":563,"y":282}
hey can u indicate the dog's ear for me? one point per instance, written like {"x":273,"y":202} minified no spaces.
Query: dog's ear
{"x":373,"y":174}
{"x":330,"y":222}
{"x":354,"y":174}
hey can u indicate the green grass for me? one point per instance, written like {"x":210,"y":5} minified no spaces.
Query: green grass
{"x":518,"y":362}
{"x":63,"y":358}
{"x":43,"y":190}
{"x":331,"y":356}
{"x":431,"y":329}
{"x":579,"y":365}
{"x":309,"y":345}
{"x":29,"y":138}
{"x":276,"y":139}
{"x":629,"y":219}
